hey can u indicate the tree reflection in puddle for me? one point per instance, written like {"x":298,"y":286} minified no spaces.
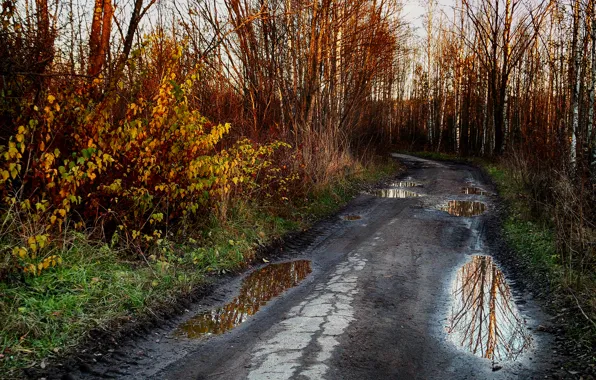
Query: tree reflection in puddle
{"x":484,"y":320}
{"x":464,"y":208}
{"x":405,"y":184}
{"x":257,"y":289}
{"x":395,"y":193}
{"x":473,"y":191}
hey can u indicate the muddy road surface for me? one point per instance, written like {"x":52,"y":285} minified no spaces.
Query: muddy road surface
{"x":405,"y":283}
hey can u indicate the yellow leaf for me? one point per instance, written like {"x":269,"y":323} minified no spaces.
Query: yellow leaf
{"x":51,"y":98}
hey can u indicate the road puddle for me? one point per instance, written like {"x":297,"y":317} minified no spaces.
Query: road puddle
{"x":257,"y":289}
{"x":484,"y":319}
{"x":351,"y":218}
{"x":395,"y":193}
{"x":473,"y":191}
{"x":405,"y":184}
{"x":464,"y":208}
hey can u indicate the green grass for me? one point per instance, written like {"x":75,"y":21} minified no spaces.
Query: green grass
{"x":47,"y":316}
{"x":531,"y":238}
{"x":330,"y":198}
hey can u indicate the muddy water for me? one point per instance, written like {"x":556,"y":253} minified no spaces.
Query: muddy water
{"x":257,"y":289}
{"x":465,"y":208}
{"x":395,"y":193}
{"x":484,"y":319}
{"x":351,"y":217}
{"x":473,"y":191}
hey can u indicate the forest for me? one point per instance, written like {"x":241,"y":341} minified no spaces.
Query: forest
{"x":134,"y":132}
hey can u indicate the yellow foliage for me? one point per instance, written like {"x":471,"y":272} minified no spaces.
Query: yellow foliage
{"x":162,"y":162}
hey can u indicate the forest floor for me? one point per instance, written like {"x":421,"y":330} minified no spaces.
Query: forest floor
{"x":96,"y":298}
{"x":402,"y":282}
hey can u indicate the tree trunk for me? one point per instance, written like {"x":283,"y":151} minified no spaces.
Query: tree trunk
{"x":99,"y":39}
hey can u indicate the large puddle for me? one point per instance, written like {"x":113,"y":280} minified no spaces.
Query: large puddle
{"x":395,"y":193}
{"x":465,"y":208}
{"x":484,"y":319}
{"x":257,"y":289}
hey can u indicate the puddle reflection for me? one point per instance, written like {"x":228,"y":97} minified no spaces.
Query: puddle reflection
{"x":257,"y":289}
{"x":405,"y":184}
{"x":395,"y":193}
{"x":484,"y":320}
{"x":465,"y":208}
{"x":473,"y":191}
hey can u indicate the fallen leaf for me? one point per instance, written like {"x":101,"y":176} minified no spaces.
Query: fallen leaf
{"x":265,"y":260}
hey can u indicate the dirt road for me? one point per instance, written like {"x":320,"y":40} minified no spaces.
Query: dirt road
{"x":403,"y":286}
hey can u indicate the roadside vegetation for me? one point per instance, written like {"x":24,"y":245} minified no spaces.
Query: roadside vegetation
{"x":549,"y":226}
{"x":148,"y":145}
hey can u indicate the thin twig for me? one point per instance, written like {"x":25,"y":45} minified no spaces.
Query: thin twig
{"x":580,"y":308}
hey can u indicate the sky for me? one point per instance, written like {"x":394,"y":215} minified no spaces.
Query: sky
{"x":414,"y":10}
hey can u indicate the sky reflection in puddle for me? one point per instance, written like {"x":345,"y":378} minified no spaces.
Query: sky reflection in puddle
{"x":484,"y":319}
{"x":464,"y":208}
{"x":257,"y":289}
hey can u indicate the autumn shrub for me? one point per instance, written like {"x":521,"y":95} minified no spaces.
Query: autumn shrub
{"x":74,"y":163}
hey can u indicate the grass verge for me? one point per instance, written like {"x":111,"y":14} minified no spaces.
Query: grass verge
{"x":43,"y":318}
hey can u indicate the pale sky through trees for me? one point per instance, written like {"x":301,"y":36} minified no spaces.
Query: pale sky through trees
{"x":414,"y":10}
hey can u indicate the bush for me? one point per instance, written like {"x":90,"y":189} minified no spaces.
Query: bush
{"x":73,"y":163}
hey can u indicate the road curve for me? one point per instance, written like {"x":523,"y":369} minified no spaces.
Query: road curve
{"x":379,"y":303}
